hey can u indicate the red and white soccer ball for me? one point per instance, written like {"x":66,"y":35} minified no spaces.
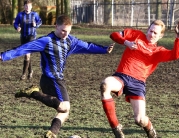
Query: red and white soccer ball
{"x":75,"y":136}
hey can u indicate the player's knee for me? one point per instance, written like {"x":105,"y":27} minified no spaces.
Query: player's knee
{"x":140,"y":122}
{"x":27,"y":57}
{"x":64,"y":107}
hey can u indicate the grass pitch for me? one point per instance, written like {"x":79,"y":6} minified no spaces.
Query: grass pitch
{"x":27,"y":118}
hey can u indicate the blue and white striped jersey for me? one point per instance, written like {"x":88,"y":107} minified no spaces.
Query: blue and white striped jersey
{"x":26,"y":23}
{"x":54,"y":52}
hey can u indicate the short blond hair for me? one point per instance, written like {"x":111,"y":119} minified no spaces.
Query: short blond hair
{"x":160,"y":23}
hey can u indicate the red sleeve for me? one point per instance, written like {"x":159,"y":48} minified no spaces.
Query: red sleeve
{"x":117,"y":37}
{"x":127,"y":34}
{"x":163,"y":55}
{"x":176,"y":48}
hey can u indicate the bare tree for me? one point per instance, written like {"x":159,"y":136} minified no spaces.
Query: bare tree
{"x":172,"y":10}
{"x":5,"y":12}
{"x":168,"y":12}
{"x":20,"y":5}
{"x":159,"y":9}
{"x":62,"y":7}
{"x":58,"y":8}
{"x":14,"y":10}
{"x":107,"y":12}
{"x":67,"y":7}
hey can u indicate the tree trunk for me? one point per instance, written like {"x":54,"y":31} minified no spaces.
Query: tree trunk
{"x":159,"y":10}
{"x":107,"y":12}
{"x":14,"y":10}
{"x":172,"y":5}
{"x":20,"y":5}
{"x":62,"y":6}
{"x":58,"y":8}
{"x":168,"y":11}
{"x":67,"y":7}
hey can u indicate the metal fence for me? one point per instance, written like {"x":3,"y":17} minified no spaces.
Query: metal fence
{"x":125,"y":14}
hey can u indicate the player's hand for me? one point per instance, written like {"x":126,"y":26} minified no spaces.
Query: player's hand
{"x":177,"y":29}
{"x":34,"y":24}
{"x":0,"y":58}
{"x":131,"y":45}
{"x":110,"y":48}
{"x":18,"y":29}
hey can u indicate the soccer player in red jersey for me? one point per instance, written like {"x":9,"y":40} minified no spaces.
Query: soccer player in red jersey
{"x":139,"y":60}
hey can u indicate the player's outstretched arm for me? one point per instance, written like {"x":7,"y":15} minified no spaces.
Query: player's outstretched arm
{"x":118,"y":38}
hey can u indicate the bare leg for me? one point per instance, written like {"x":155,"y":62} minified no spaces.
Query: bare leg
{"x":139,"y":109}
{"x":58,"y":120}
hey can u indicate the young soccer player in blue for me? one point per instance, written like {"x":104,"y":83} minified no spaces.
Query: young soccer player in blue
{"x":54,"y":49}
{"x":26,"y":22}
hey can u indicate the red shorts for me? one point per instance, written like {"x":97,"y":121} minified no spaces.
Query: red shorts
{"x":128,"y":97}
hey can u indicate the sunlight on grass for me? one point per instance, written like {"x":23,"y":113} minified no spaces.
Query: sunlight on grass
{"x":28,"y":118}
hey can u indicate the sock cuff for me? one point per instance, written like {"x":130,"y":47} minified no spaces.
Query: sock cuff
{"x":107,"y":100}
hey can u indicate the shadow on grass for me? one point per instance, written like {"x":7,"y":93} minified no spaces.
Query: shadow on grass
{"x":31,"y":127}
{"x":104,"y":130}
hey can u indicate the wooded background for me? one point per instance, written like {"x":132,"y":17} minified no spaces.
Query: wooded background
{"x":98,"y":12}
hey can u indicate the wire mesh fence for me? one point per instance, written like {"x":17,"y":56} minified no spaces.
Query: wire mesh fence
{"x":125,"y":13}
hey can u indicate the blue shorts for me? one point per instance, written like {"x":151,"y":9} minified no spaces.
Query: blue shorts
{"x":26,"y":39}
{"x":133,"y":88}
{"x":56,"y":88}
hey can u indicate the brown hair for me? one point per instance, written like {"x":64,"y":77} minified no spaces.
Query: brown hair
{"x":160,"y":23}
{"x":63,"y":20}
{"x":27,"y":2}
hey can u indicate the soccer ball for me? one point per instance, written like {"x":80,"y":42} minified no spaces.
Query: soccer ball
{"x":75,"y":136}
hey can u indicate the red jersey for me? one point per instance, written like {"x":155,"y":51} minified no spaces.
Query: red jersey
{"x":140,"y":63}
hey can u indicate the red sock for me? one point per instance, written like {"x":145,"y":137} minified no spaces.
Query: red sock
{"x":109,"y":109}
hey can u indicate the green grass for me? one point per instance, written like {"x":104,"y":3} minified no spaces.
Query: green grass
{"x":27,"y":118}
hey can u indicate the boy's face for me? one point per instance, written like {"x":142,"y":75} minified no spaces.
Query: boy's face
{"x":28,"y":7}
{"x":62,"y":31}
{"x":154,"y":33}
